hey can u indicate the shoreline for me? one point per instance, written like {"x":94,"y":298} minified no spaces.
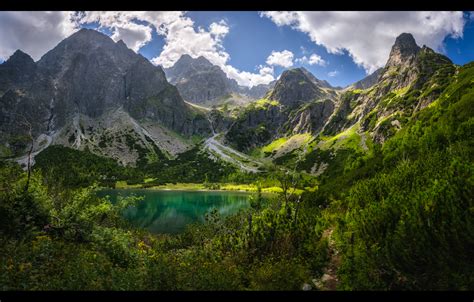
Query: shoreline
{"x":244,"y":188}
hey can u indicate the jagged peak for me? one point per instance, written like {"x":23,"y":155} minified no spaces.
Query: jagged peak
{"x":89,"y":36}
{"x":405,"y":47}
{"x":185,"y":57}
{"x":19,"y":56}
{"x":405,"y":40}
{"x":306,"y":74}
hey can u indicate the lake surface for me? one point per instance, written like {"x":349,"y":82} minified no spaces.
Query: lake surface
{"x":170,"y":211}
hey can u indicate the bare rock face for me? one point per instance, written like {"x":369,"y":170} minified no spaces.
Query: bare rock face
{"x":18,"y":70}
{"x":89,"y":74}
{"x":312,"y":117}
{"x":403,"y":51}
{"x":257,"y":92}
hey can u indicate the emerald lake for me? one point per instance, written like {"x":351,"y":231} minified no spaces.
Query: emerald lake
{"x":163,"y":211}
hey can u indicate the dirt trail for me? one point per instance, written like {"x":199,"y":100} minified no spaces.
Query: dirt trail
{"x":329,"y":280}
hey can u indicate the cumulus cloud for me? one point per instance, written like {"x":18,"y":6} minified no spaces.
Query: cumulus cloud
{"x":34,"y":32}
{"x":314,"y":59}
{"x":134,"y":35}
{"x":264,"y":76}
{"x":281,"y":58}
{"x":333,"y":73}
{"x":368,"y":36}
{"x":219,"y":30}
{"x":182,"y":38}
{"x":124,"y":26}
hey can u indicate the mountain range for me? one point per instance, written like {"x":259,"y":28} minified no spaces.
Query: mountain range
{"x":91,"y":93}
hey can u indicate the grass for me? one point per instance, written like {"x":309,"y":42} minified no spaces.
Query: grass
{"x":263,"y":103}
{"x":346,"y":139}
{"x":149,"y":179}
{"x":275,"y":145}
{"x":284,"y":142}
{"x":253,"y":188}
{"x":222,"y":187}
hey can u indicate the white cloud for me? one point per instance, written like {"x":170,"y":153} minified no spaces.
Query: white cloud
{"x":250,"y":79}
{"x":265,"y":70}
{"x":368,"y":36}
{"x":219,"y":30}
{"x":33,"y":32}
{"x":124,"y":26}
{"x":281,"y":58}
{"x":333,"y":73}
{"x":182,"y":38}
{"x":134,"y":35}
{"x":314,"y":59}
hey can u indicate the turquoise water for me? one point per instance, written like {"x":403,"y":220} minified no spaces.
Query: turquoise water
{"x":170,"y":211}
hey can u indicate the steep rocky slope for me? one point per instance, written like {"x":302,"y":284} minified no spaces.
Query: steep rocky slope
{"x":88,"y":75}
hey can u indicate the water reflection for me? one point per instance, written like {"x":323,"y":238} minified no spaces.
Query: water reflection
{"x":171,"y":211}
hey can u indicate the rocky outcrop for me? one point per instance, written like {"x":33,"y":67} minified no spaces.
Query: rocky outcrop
{"x":311,"y":117}
{"x":257,"y":92}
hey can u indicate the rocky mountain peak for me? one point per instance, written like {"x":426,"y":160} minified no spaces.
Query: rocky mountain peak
{"x":20,"y":58}
{"x":19,"y":69}
{"x":296,"y":86}
{"x":203,"y":61}
{"x":404,"y":49}
{"x":322,"y":83}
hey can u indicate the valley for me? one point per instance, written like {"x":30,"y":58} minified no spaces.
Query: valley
{"x":367,"y":187}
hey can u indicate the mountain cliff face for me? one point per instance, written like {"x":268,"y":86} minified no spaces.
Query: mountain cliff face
{"x":200,"y":82}
{"x":88,"y":74}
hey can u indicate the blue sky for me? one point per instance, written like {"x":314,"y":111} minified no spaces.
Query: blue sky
{"x":254,"y":47}
{"x":252,"y":38}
